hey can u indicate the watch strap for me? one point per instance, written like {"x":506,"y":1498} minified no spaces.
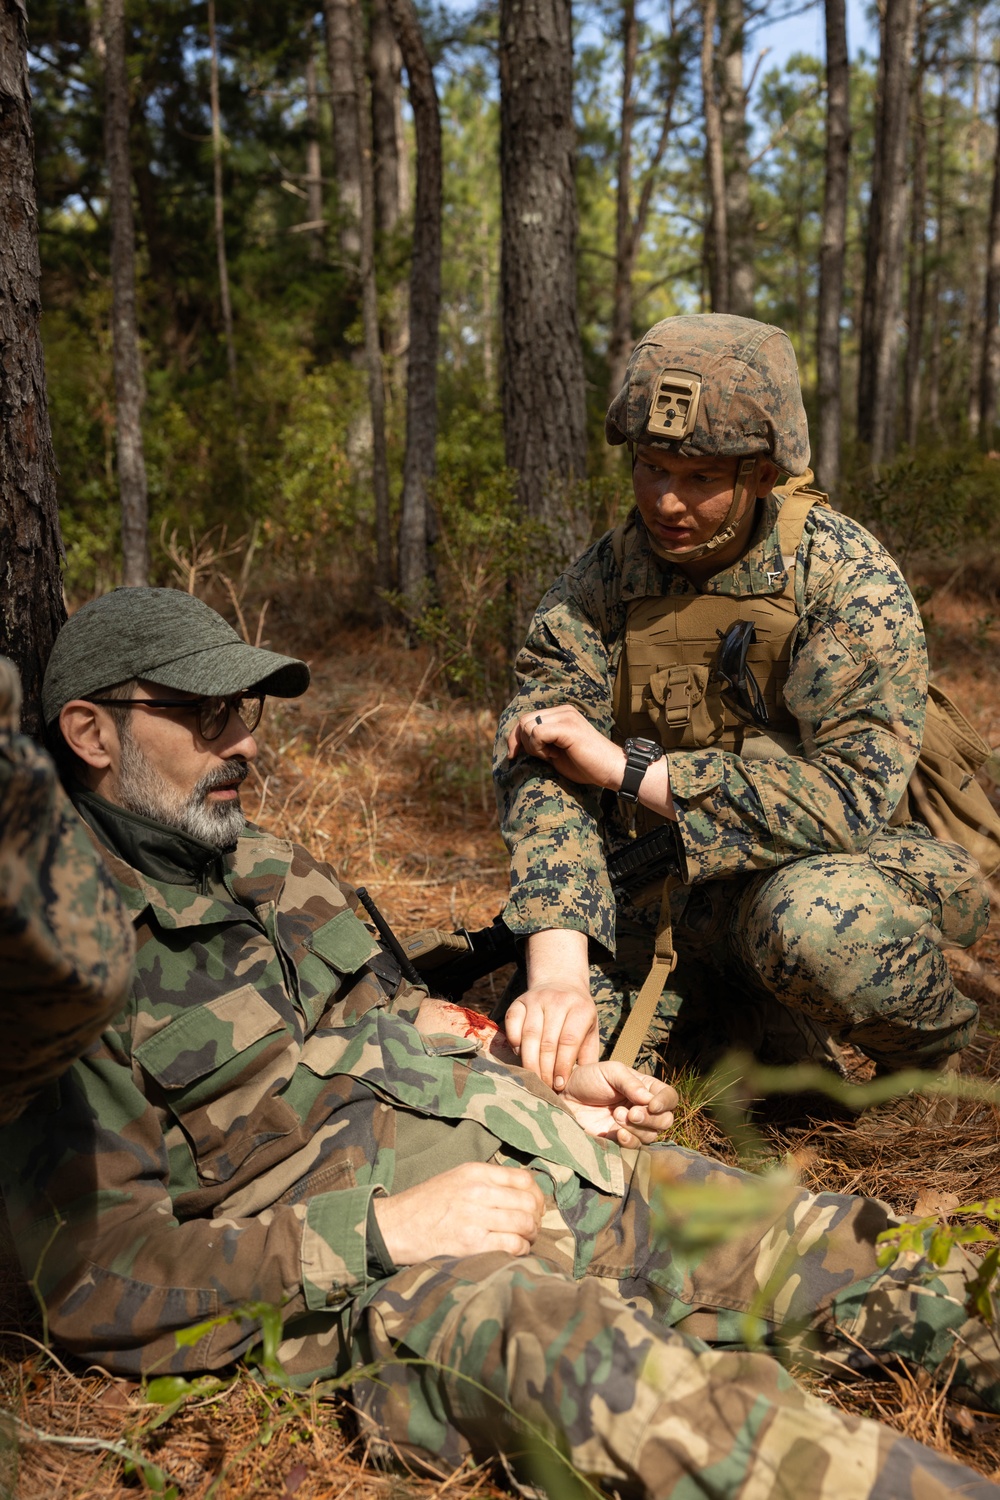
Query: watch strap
{"x":640,"y":754}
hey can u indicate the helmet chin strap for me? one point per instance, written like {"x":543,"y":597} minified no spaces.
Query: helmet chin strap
{"x":730,"y":523}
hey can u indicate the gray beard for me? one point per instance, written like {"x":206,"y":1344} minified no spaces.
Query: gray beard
{"x":141,"y":789}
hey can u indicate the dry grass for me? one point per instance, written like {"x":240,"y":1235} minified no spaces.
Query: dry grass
{"x":382,"y":773}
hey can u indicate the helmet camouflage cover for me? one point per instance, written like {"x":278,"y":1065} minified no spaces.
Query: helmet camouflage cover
{"x":715,"y":385}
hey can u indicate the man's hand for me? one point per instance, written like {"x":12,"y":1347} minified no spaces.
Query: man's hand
{"x":571,"y":744}
{"x":477,"y":1206}
{"x":552,"y":1027}
{"x":611,"y":1099}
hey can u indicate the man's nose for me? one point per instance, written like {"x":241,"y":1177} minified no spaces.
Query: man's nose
{"x":236,"y":739}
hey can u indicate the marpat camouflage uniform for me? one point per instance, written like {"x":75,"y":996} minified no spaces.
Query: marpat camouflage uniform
{"x":795,"y":886}
{"x":224,"y":1142}
{"x":65,"y":943}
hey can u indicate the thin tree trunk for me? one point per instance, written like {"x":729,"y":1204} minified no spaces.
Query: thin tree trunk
{"x":934,"y":356}
{"x":314,"y":163}
{"x":345,"y":111}
{"x":219,"y":202}
{"x":991,"y":319}
{"x":917,"y":288}
{"x":385,"y":67}
{"x":369,"y":306}
{"x":425,"y":307}
{"x":31,"y":600}
{"x":973,"y":269}
{"x":620,"y":338}
{"x":739,"y":213}
{"x":833,"y":246}
{"x":385,"y":70}
{"x":129,"y":384}
{"x":878,"y":374}
{"x":715,"y":161}
{"x":543,"y":388}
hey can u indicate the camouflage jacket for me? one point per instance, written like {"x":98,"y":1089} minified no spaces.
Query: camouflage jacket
{"x":223,"y":1141}
{"x":857,"y":687}
{"x":65,"y":942}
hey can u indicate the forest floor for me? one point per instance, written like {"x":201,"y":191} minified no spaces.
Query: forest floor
{"x":381,"y":772}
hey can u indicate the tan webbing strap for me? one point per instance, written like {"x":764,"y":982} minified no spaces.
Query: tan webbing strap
{"x":633,"y":1033}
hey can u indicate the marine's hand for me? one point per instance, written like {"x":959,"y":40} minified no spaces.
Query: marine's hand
{"x":477,"y":1206}
{"x":571,"y":744}
{"x":553,"y":1027}
{"x":611,"y":1099}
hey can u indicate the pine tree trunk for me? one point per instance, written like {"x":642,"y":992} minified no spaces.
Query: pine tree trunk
{"x":718,"y":239}
{"x":916,"y":299}
{"x":620,"y":336}
{"x":974,"y":269}
{"x":314,"y":163}
{"x":345,"y":114}
{"x":219,"y":202}
{"x":833,"y":246}
{"x":425,"y":307}
{"x":369,"y":302}
{"x":991,"y":322}
{"x":543,"y":388}
{"x":739,"y":213}
{"x":31,"y":600}
{"x":130,"y":393}
{"x":389,"y":146}
{"x":878,"y":372}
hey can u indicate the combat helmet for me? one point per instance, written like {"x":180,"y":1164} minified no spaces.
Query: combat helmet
{"x":715,"y":385}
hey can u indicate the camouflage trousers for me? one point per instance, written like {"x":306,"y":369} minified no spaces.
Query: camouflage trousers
{"x":851,"y":942}
{"x":599,"y":1347}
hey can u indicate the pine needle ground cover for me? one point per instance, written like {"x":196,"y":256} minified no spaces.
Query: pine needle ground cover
{"x":384,"y":774}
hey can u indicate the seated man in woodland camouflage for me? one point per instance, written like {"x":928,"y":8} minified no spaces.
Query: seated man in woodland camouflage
{"x":278,"y":1117}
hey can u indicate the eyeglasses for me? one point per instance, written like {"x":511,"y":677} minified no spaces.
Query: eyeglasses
{"x":213,"y":713}
{"x":742,"y":691}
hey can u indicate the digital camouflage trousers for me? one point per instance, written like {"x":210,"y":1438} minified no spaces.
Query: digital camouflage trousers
{"x":851,"y":942}
{"x":646,"y":1368}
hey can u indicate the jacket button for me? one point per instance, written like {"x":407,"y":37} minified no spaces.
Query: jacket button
{"x":336,"y":1297}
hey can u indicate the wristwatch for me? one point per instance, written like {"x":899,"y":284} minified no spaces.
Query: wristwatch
{"x":639,"y":756}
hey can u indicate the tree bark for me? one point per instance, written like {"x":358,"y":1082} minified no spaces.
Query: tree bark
{"x":833,"y":246}
{"x":385,"y":68}
{"x":31,"y":599}
{"x":878,"y":374}
{"x":620,"y":338}
{"x":974,"y":270}
{"x":345,"y":110}
{"x":130,"y":393}
{"x":425,"y":307}
{"x":543,"y":389}
{"x":916,"y":298}
{"x":219,"y":202}
{"x":369,"y":305}
{"x":718,"y":240}
{"x":990,"y":377}
{"x":314,"y":163}
{"x":739,"y":213}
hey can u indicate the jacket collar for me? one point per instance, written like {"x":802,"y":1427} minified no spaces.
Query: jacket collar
{"x":181,"y":879}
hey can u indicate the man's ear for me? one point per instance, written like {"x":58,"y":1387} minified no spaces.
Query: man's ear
{"x":89,"y":732}
{"x":767,"y":474}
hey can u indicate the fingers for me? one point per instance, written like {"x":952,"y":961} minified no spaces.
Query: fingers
{"x":555,"y":1027}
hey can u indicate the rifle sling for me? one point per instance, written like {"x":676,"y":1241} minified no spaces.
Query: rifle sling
{"x":633,"y":1033}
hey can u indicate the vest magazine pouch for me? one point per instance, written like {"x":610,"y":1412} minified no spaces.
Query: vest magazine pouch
{"x":684,"y":706}
{"x":943,"y":792}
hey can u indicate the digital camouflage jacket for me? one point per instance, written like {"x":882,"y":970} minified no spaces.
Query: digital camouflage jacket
{"x":222,"y":1142}
{"x":65,"y":942}
{"x":857,"y":687}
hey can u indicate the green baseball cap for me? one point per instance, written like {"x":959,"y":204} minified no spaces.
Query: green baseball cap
{"x":164,"y":636}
